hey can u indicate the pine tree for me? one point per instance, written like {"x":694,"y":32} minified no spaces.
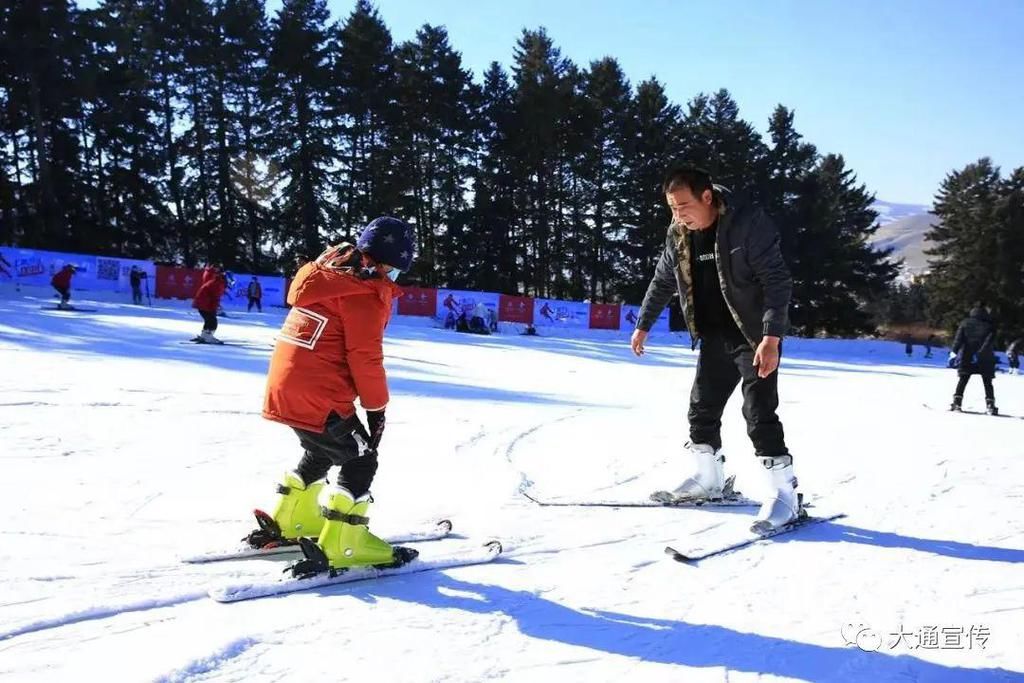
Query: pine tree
{"x":965,"y":240}
{"x":494,"y":222}
{"x":544,"y":86}
{"x":607,"y":97}
{"x":840,"y":272}
{"x":435,"y":138}
{"x":364,"y":96}
{"x":303,"y":127}
{"x":715,"y":138}
{"x":653,"y":133}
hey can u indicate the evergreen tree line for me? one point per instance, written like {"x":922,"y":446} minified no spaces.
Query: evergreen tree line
{"x":208,"y":131}
{"x":977,"y":251}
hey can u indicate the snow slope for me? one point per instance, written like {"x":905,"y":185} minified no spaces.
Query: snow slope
{"x":123,"y":449}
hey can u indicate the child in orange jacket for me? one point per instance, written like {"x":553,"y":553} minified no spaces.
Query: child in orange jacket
{"x":329,"y":353}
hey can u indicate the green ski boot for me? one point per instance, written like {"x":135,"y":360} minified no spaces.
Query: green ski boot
{"x":345,"y":539}
{"x":297,"y":512}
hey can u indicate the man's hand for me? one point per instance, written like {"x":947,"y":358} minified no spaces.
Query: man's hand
{"x":637,"y":342}
{"x":766,"y":357}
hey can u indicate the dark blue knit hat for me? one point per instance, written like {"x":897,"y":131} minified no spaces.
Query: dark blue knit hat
{"x":389,"y":241}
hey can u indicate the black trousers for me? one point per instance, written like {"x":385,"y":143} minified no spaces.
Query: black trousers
{"x":209,"y":320}
{"x":65,"y":293}
{"x":725,"y":361}
{"x":136,"y":294}
{"x":336,"y":446}
{"x":990,"y":392}
{"x":254,"y":301}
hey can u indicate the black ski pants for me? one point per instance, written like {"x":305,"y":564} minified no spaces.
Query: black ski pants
{"x":990,"y":392}
{"x":726,"y":360}
{"x":209,"y":320}
{"x":336,"y":446}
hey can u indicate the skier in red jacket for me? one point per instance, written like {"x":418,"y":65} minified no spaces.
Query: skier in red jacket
{"x":62,"y":283}
{"x":207,"y":301}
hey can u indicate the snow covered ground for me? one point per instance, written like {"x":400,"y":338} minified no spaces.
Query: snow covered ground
{"x":123,"y":449}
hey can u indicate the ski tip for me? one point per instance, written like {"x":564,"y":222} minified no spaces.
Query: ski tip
{"x":676,"y":555}
{"x":444,"y":526}
{"x":494,"y":547}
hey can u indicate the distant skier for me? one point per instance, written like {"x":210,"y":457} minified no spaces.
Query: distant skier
{"x":207,"y":301}
{"x":928,"y":346}
{"x":1013,"y":352}
{"x":478,"y":321}
{"x":737,"y":306}
{"x":973,"y":345}
{"x":61,"y":281}
{"x":909,"y":345}
{"x":135,"y":278}
{"x":329,"y":354}
{"x":451,"y":304}
{"x":255,"y":294}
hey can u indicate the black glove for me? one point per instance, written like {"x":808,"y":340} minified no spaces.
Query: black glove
{"x":375,"y":421}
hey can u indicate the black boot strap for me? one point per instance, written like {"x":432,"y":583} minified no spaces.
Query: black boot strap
{"x":336,"y":516}
{"x":283,"y":490}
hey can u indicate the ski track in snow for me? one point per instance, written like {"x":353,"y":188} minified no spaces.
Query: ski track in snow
{"x":205,"y":665}
{"x":125,"y":450}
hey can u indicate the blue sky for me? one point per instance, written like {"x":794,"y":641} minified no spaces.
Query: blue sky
{"x":906,"y":90}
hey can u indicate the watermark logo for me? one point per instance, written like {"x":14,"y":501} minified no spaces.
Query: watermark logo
{"x":868,"y":639}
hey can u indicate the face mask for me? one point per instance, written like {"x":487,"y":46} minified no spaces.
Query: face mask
{"x":393,"y":274}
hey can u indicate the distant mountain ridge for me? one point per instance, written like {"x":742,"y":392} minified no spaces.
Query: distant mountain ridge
{"x":903,"y":228}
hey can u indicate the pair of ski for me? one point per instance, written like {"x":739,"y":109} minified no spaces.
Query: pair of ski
{"x":411,"y":562}
{"x":730,"y":498}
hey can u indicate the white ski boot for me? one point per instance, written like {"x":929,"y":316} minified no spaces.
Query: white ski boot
{"x":207,"y":338}
{"x":705,"y":480}
{"x":783,"y":505}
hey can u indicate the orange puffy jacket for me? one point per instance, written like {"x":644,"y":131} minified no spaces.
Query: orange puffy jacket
{"x":211,"y":289}
{"x":330,"y":349}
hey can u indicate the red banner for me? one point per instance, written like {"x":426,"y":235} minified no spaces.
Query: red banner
{"x":177,"y":283}
{"x":515,"y":309}
{"x":418,"y":301}
{"x":604,"y":316}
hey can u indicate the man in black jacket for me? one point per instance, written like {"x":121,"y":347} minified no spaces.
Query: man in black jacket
{"x":973,"y":344}
{"x":734,"y":290}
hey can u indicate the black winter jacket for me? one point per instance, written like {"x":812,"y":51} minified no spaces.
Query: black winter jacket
{"x":752,"y":273}
{"x":973,"y":344}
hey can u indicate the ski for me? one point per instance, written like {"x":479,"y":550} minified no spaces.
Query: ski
{"x":292,"y":548}
{"x":72,"y":309}
{"x":432,"y":561}
{"x":693,"y":557}
{"x":239,"y":345}
{"x":964,"y":411}
{"x":730,"y":498}
{"x":741,"y":502}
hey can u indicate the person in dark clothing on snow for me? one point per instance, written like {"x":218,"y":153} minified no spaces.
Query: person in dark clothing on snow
{"x":255,"y":294}
{"x":1013,"y":355}
{"x":135,"y":279}
{"x":973,"y":346}
{"x":723,"y":258}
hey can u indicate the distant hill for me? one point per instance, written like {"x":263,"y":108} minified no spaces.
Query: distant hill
{"x":903,"y":228}
{"x":889,"y":212}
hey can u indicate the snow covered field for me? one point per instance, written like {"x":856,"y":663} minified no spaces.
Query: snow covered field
{"x":123,"y":449}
